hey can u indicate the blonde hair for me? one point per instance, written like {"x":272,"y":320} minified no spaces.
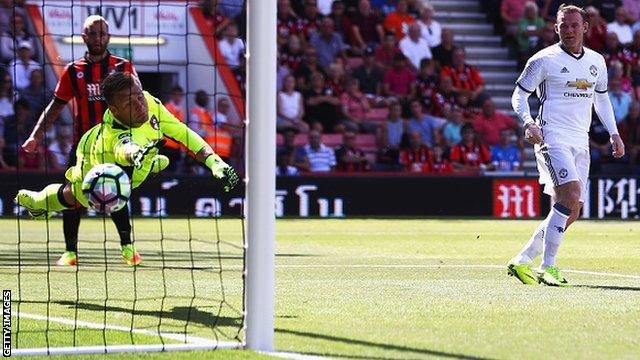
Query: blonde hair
{"x":568,"y":9}
{"x":92,"y":20}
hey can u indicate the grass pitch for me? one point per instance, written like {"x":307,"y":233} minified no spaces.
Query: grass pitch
{"x":362,"y":289}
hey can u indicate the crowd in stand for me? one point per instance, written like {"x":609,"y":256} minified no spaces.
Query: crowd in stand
{"x":363,"y":85}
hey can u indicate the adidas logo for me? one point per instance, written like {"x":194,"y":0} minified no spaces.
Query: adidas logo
{"x":564,"y":70}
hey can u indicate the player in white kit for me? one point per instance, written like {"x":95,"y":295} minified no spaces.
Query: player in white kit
{"x":569,"y":80}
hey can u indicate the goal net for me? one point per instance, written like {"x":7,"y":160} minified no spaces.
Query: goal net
{"x":188,"y":293}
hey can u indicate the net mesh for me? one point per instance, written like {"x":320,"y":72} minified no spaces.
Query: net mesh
{"x":190,"y":287}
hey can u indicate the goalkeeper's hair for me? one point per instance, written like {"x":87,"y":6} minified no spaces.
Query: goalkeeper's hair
{"x":116,"y":82}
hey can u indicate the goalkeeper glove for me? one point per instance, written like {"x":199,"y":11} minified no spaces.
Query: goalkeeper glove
{"x":222,"y":171}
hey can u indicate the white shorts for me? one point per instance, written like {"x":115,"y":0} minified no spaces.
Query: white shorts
{"x":560,"y":164}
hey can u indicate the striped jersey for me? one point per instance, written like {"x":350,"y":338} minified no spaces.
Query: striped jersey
{"x":565,"y":84}
{"x":81,"y":81}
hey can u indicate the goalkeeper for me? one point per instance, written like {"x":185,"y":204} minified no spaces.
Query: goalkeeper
{"x":132,"y":126}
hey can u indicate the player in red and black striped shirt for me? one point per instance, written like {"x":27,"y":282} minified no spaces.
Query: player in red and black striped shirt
{"x":80,"y":81}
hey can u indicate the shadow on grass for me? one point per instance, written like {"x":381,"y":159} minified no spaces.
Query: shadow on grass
{"x":609,"y":287}
{"x":417,"y":351}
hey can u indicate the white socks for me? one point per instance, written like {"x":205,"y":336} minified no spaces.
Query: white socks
{"x":553,"y":233}
{"x":533,"y":248}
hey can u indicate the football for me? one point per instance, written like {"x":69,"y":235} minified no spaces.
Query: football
{"x":107,"y":188}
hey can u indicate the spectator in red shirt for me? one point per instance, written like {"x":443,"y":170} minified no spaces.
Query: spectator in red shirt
{"x":385,"y":53}
{"x":355,"y":107}
{"x":311,"y":19}
{"x":398,"y":21}
{"x":470,"y":154}
{"x":287,"y":23}
{"x":416,"y":158}
{"x":440,"y":164}
{"x":349,"y":157}
{"x":466,"y":78}
{"x":366,"y":27}
{"x":291,"y":54}
{"x":215,"y":20}
{"x":399,"y":80}
{"x":597,"y":31}
{"x":426,"y":83}
{"x":490,"y":122}
{"x":444,"y":98}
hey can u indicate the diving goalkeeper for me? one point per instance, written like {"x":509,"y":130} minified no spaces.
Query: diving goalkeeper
{"x":132,"y":126}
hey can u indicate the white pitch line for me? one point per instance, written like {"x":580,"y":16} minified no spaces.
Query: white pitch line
{"x":435,"y":266}
{"x":100,"y":326}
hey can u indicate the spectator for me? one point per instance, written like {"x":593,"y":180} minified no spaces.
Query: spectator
{"x":36,"y":94}
{"x":212,"y":129}
{"x":321,"y":106}
{"x":281,"y":72}
{"x":620,"y":27}
{"x":387,"y":52}
{"x":291,"y":107}
{"x":355,"y":107}
{"x":451,"y":131}
{"x":215,"y":19}
{"x":175,"y":104}
{"x":7,"y":10}
{"x":428,"y":127}
{"x":390,"y":134}
{"x":232,"y":47}
{"x":426,"y":83}
{"x":327,"y":43}
{"x":594,"y":39}
{"x":600,"y":146}
{"x":398,"y":21}
{"x":325,"y":6}
{"x":171,"y":148}
{"x":16,"y":130}
{"x":59,"y":150}
{"x":399,"y":80}
{"x":511,"y":12}
{"x":430,"y":29}
{"x":613,"y":51}
{"x":445,"y":98}
{"x":443,"y":53}
{"x":311,"y":21}
{"x":21,"y":68}
{"x":529,"y":29}
{"x":505,"y":156}
{"x":608,"y":8}
{"x":369,"y":75}
{"x":350,"y":158}
{"x":283,"y":167}
{"x":620,"y":100}
{"x":335,"y":79}
{"x":466,"y":78}
{"x":414,"y":47}
{"x":296,"y":153}
{"x":633,"y":61}
{"x":308,"y":67}
{"x":633,"y":9}
{"x":415,"y":158}
{"x":340,"y":20}
{"x":6,"y":96}
{"x":291,"y":54}
{"x":470,"y":154}
{"x":366,"y":27}
{"x":619,"y":71}
{"x":489,"y":123}
{"x":319,"y":157}
{"x":287,"y":22}
{"x":16,"y":34}
{"x":440,"y":164}
{"x":630,"y":133}
{"x":547,"y":38}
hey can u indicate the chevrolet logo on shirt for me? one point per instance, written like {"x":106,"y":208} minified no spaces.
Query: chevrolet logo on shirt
{"x":580,"y":84}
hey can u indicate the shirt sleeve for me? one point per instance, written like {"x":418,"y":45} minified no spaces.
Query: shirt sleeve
{"x":532,"y":75}
{"x":64,"y":89}
{"x":602,"y":80}
{"x":128,"y":67}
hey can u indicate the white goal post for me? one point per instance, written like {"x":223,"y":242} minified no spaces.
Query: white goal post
{"x":261,"y":180}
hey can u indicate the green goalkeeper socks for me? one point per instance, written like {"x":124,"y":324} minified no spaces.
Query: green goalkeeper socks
{"x":47,"y":198}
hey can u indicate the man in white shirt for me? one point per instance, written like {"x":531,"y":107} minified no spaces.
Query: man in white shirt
{"x":319,"y":157}
{"x":620,"y":27}
{"x":20,"y":69}
{"x":569,"y":79}
{"x":414,"y":47}
{"x":430,"y":29}
{"x":232,"y":47}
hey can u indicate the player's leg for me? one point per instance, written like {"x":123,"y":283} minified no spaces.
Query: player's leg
{"x":41,"y":204}
{"x":70,"y":226}
{"x":123,"y":225}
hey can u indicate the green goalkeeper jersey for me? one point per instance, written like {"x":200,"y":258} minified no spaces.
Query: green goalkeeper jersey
{"x":106,"y":143}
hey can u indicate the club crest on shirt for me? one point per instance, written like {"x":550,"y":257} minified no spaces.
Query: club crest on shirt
{"x":80,"y":75}
{"x":154,"y":122}
{"x":593,"y":70}
{"x":563,"y":173}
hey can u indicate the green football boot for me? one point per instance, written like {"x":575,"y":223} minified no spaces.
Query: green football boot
{"x":552,"y":276}
{"x":69,"y":258}
{"x":130,"y":255}
{"x":25,"y":198}
{"x":523,"y":273}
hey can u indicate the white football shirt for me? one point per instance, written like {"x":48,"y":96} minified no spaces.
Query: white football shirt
{"x":565,"y":84}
